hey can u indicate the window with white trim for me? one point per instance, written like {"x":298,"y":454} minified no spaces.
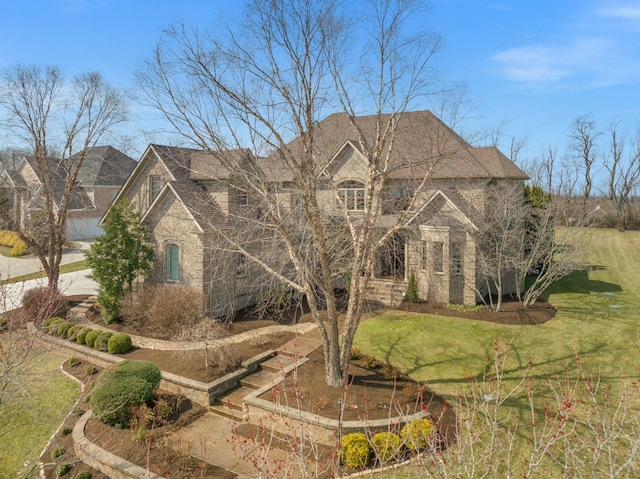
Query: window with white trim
{"x":352,"y":195}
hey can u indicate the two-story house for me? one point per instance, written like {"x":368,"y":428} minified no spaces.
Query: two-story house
{"x":188,"y":203}
{"x":102,"y":173}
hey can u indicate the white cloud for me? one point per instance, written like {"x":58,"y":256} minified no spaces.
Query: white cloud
{"x":596,"y":51}
{"x":625,"y":12}
{"x":553,"y":63}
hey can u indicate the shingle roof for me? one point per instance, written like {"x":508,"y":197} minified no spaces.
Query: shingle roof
{"x":104,"y":166}
{"x":202,"y":206}
{"x":423,"y":145}
{"x":188,"y":163}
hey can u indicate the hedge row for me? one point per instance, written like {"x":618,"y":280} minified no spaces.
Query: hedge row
{"x":358,"y":450}
{"x":114,"y":343}
{"x":11,"y":239}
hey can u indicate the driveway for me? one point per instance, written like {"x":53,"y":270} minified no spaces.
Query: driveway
{"x":70,"y":283}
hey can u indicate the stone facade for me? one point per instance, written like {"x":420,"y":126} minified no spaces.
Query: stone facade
{"x":190,"y":204}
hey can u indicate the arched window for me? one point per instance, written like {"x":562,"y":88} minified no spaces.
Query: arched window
{"x":173,"y":263}
{"x":352,"y":195}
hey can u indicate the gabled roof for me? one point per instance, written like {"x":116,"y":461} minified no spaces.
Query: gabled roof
{"x":202,"y":209}
{"x":428,"y":212}
{"x":104,"y":166}
{"x":13,"y":178}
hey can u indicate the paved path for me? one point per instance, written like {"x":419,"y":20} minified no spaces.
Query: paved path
{"x":69,"y":284}
{"x":12,"y":267}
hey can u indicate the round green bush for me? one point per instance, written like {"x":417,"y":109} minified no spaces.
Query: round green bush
{"x":63,"y":469}
{"x":91,"y":370}
{"x":356,"y":450}
{"x":65,"y":431}
{"x":416,"y":434}
{"x":119,"y":343}
{"x":63,"y":329}
{"x":91,"y":336}
{"x":144,"y":369}
{"x":73,"y":332}
{"x":81,"y":335}
{"x":127,"y":384}
{"x":387,"y":446}
{"x":73,"y":362}
{"x":102,"y":341}
{"x":52,"y":324}
{"x":53,"y":319}
{"x":58,"y":452}
{"x":83,"y":475}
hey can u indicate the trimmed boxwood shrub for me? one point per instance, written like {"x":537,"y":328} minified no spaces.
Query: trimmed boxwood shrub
{"x":386,"y":445}
{"x":63,"y":329}
{"x":73,"y":332}
{"x":52,"y":324}
{"x":356,"y":450}
{"x":127,"y":384}
{"x":416,"y":434}
{"x":58,"y":452}
{"x":83,"y":475}
{"x":63,"y":469}
{"x":119,"y":343}
{"x":102,"y":341}
{"x":90,"y":337}
{"x":82,"y":334}
{"x":53,"y":319}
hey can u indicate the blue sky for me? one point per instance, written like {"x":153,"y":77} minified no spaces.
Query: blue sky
{"x":531,"y":66}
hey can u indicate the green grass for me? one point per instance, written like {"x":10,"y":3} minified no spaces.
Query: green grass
{"x":65,"y":268}
{"x":27,"y":423}
{"x":444,"y":352}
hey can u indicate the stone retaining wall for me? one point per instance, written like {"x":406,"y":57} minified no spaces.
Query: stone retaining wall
{"x":109,"y":464}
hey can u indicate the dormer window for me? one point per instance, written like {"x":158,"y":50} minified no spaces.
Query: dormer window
{"x":352,"y":195}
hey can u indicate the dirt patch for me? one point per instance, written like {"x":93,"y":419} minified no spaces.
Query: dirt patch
{"x":375,"y":391}
{"x":191,"y":364}
{"x":512,"y":313}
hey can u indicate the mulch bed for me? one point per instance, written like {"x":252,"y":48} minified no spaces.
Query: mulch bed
{"x":371,"y":393}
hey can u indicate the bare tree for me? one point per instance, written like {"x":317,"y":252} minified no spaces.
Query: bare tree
{"x":583,"y":144}
{"x":269,"y":80}
{"x":624,"y":172}
{"x":60,"y":121}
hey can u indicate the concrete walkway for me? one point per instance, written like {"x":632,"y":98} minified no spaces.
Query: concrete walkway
{"x":11,"y":267}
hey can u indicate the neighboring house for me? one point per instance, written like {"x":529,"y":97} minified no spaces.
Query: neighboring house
{"x":103,"y":172}
{"x":186,"y":198}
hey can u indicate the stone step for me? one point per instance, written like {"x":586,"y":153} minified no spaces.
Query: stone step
{"x":299,"y":346}
{"x":234,"y":398}
{"x":277,"y":364}
{"x":259,"y":378}
{"x":226,"y":412}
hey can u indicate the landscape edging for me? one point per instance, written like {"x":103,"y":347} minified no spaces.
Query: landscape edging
{"x":109,"y":464}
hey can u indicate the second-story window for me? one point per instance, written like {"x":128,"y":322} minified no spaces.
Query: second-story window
{"x":242,"y":198}
{"x":155,"y":185}
{"x":352,"y":195}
